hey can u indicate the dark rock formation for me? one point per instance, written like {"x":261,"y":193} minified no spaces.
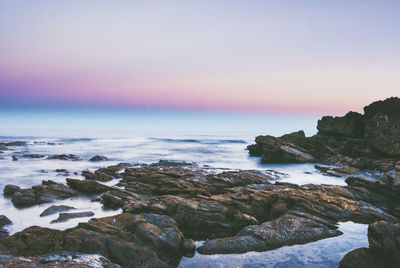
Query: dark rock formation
{"x":383,"y":251}
{"x":337,"y":171}
{"x":65,"y":157}
{"x":14,"y":143}
{"x":62,"y":217}
{"x":98,"y":158}
{"x":4,"y":221}
{"x":87,"y":186}
{"x":44,"y":193}
{"x":126,"y":239}
{"x":369,"y":141}
{"x":289,"y":229}
{"x":55,"y":209}
{"x":103,"y":174}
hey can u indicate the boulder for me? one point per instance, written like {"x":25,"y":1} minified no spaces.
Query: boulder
{"x":65,"y":157}
{"x":4,"y":221}
{"x":98,"y":158}
{"x":55,"y":209}
{"x":289,"y":229}
{"x":63,"y":217}
{"x":87,"y":186}
{"x":284,"y":149}
{"x":38,"y":194}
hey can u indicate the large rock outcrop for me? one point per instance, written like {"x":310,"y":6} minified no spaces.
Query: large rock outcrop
{"x":369,"y":141}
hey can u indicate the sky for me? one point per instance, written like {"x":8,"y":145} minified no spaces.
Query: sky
{"x":289,"y":57}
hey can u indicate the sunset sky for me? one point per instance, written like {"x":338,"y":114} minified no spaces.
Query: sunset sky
{"x":295,"y":57}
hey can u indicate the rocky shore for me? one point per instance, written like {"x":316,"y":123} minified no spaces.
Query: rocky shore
{"x":167,"y":206}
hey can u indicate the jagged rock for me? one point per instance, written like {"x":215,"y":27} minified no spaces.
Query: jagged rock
{"x":289,"y":229}
{"x":125,"y":239}
{"x":44,"y":193}
{"x":65,"y":157}
{"x":4,"y":221}
{"x":350,"y":125}
{"x":55,"y":209}
{"x":14,"y":143}
{"x":103,"y":174}
{"x":281,"y":150}
{"x":31,"y":156}
{"x":87,"y":186}
{"x":10,"y":189}
{"x":383,"y":251}
{"x":67,"y":216}
{"x":98,"y":158}
{"x":337,"y":171}
{"x":369,"y":141}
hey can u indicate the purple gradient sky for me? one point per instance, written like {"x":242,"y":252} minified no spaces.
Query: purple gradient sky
{"x":311,"y":57}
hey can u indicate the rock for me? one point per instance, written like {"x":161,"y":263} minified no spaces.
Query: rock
{"x":44,"y":193}
{"x":281,"y":150}
{"x":14,"y":158}
{"x":65,"y":157}
{"x":383,"y":251}
{"x":289,"y":229}
{"x":4,"y":221}
{"x":55,"y":209}
{"x":124,"y":239}
{"x":171,"y":163}
{"x":98,"y":158}
{"x":32,"y":156}
{"x":60,"y":259}
{"x":369,"y":141}
{"x":188,"y":247}
{"x":337,"y":171}
{"x":103,"y":174}
{"x":67,"y":216}
{"x":350,"y":125}
{"x":87,"y":186}
{"x":359,"y":258}
{"x":10,"y":189}
{"x":14,"y":143}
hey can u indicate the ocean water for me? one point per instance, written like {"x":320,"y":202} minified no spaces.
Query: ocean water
{"x":215,"y":140}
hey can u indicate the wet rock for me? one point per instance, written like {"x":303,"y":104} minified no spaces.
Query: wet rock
{"x":44,"y":193}
{"x":103,"y":174}
{"x":65,"y":157}
{"x":281,"y":150}
{"x":63,"y":217}
{"x":289,"y":229}
{"x":98,"y":158}
{"x":32,"y":156}
{"x":14,"y":158}
{"x":171,"y":163}
{"x":59,"y":259}
{"x":87,"y":186}
{"x":188,"y":247}
{"x":351,"y":125}
{"x":337,"y":171}
{"x":14,"y":143}
{"x":55,"y":209}
{"x":62,"y":171}
{"x":10,"y":189}
{"x":124,"y":239}
{"x":383,"y":251}
{"x":4,"y":221}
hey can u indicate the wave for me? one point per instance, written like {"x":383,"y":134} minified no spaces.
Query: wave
{"x":201,"y":141}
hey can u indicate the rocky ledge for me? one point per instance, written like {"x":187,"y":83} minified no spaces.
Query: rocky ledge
{"x":166,"y":207}
{"x":367,"y":141}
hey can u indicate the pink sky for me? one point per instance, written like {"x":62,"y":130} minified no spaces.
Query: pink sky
{"x":270,"y":56}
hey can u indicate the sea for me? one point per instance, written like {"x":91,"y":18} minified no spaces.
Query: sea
{"x":214,"y":140}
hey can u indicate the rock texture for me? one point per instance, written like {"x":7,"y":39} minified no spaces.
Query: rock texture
{"x":55,"y":209}
{"x":44,"y":193}
{"x":368,"y":141}
{"x":128,"y":240}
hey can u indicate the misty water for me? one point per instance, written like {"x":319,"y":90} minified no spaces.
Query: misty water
{"x":215,"y":141}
